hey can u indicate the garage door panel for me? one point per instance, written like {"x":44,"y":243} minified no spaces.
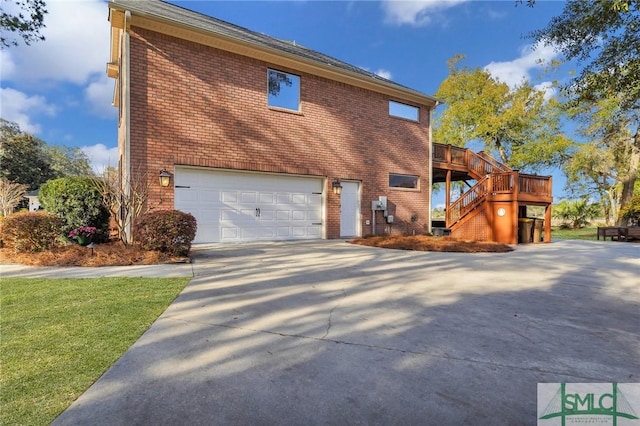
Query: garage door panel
{"x":248,"y":197}
{"x":267,"y":198}
{"x":314,"y":216}
{"x":314,"y":231}
{"x":229,"y":233}
{"x":238,"y":206}
{"x":266,"y":215}
{"x":229,"y":196}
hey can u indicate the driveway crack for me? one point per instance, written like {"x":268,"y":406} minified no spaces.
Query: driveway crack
{"x":326,"y":333}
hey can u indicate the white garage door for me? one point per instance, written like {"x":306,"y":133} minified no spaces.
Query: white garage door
{"x":236,"y":206}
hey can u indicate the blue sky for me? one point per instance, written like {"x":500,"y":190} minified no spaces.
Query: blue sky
{"x":58,"y":89}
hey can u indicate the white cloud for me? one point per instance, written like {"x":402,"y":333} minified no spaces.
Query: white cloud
{"x":99,"y":95}
{"x":416,"y":13}
{"x":384,"y":73}
{"x":519,"y":70}
{"x":101,"y":157}
{"x":76,"y":45}
{"x":548,"y":88}
{"x":20,"y":108}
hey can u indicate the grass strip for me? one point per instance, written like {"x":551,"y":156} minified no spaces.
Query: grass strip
{"x":58,"y":336}
{"x":587,"y":233}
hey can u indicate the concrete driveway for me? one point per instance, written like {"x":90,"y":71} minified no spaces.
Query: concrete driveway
{"x":331,"y":333}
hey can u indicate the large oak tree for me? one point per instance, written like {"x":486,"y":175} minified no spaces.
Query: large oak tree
{"x":517,"y":125}
{"x":603,"y":36}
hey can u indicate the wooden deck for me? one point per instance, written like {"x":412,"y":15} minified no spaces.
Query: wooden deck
{"x":496,"y":185}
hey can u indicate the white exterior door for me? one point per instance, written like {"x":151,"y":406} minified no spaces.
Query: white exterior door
{"x":350,"y":209}
{"x":235,"y":206}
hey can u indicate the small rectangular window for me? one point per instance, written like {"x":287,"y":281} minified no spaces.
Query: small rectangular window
{"x":283,"y":90}
{"x":396,"y":109}
{"x":403,"y":181}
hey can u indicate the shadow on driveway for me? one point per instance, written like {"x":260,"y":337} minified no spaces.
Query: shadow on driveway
{"x":330,"y":333}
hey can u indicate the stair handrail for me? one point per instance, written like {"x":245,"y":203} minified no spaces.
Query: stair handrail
{"x":467,"y":202}
{"x":480,"y":165}
{"x":494,"y":163}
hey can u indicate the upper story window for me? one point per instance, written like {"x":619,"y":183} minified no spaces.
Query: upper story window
{"x":284,"y":90}
{"x":410,"y":112}
{"x":403,"y":181}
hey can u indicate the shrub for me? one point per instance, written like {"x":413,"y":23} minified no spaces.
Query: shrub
{"x":632,"y":211}
{"x":576,"y":212}
{"x":78,"y":202}
{"x":31,"y":231}
{"x":168,"y":231}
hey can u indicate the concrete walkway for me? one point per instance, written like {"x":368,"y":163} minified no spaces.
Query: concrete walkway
{"x":331,"y":333}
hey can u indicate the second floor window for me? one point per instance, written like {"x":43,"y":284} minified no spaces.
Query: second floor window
{"x":283,"y":90}
{"x":409,"y":112}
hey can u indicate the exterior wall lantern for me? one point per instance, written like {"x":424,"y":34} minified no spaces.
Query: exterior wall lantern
{"x":165,"y":178}
{"x":337,"y":188}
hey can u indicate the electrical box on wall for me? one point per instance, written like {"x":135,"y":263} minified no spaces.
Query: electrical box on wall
{"x":383,"y":202}
{"x":390,"y":218}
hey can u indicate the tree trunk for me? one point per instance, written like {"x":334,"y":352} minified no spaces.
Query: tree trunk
{"x":628,"y":183}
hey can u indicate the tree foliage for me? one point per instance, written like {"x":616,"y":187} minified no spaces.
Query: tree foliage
{"x":28,"y":160}
{"x":518,"y":125}
{"x":23,"y":156}
{"x":604,"y":37}
{"x":68,"y":161}
{"x":25,"y":24}
{"x":77,"y":201}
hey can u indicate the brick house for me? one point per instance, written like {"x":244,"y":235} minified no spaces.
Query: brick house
{"x":264,"y":139}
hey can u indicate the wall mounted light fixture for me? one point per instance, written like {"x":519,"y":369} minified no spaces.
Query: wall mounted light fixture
{"x":337,"y":188}
{"x":165,"y":178}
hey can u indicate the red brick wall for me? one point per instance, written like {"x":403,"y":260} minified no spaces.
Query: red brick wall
{"x":196,"y":105}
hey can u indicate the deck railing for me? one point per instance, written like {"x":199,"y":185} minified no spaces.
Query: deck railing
{"x":479,"y":164}
{"x":532,"y":184}
{"x":493,"y":178}
{"x":467,"y":202}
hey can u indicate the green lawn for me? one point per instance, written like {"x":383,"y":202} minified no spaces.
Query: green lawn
{"x":59,"y":336}
{"x":588,"y":233}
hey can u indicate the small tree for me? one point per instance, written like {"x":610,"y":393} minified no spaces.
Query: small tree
{"x":577,"y":212}
{"x":77,"y":201}
{"x":126,"y":199}
{"x":10,"y":195}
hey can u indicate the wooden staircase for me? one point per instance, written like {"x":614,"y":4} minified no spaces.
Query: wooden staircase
{"x":499,"y":191}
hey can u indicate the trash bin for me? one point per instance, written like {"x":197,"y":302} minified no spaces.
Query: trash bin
{"x":538,"y":226}
{"x":525,"y":226}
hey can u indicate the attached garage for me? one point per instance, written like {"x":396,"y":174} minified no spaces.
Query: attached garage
{"x":232,"y":206}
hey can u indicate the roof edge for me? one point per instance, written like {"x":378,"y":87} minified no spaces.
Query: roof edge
{"x":159,"y":23}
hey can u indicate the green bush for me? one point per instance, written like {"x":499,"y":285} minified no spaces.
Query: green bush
{"x":31,"y":231}
{"x":632,"y":210}
{"x":78,"y":202}
{"x":576,"y":213}
{"x":168,"y":231}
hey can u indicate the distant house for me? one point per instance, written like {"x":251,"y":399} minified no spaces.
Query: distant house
{"x":261,"y":138}
{"x":34,"y":203}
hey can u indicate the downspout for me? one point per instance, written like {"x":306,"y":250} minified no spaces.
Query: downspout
{"x":429,"y":221}
{"x":126,"y":112}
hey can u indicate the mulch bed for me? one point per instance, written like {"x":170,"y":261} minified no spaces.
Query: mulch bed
{"x":428,"y":243}
{"x":114,"y":253}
